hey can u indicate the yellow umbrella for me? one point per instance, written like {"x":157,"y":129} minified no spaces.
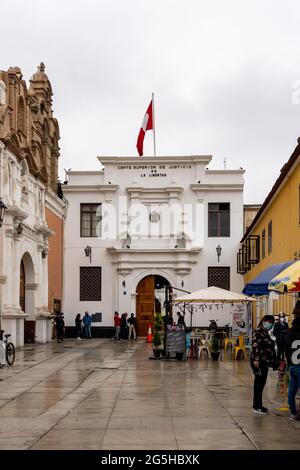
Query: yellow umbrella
{"x":288,"y":280}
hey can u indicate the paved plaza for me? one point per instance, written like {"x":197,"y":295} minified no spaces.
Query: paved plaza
{"x":98,"y":394}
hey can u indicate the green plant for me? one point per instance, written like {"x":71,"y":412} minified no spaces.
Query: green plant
{"x":214,"y":345}
{"x":158,"y":321}
{"x":156,"y":339}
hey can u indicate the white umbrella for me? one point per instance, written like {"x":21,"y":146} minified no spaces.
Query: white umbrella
{"x":213,"y":294}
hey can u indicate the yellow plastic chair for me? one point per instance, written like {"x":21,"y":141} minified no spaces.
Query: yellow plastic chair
{"x":241,"y":347}
{"x":229,"y":341}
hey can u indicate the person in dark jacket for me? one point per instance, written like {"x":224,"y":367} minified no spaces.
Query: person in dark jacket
{"x":78,"y":326}
{"x":124,"y":327}
{"x":280,"y":329}
{"x":180,"y":320}
{"x":292,"y":351}
{"x":132,"y":326}
{"x":262,"y":357}
{"x":60,"y":324}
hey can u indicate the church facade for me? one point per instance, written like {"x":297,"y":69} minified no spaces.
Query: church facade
{"x":32,"y":232}
{"x":140,"y":231}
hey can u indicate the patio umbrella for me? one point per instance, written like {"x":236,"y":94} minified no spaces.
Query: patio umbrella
{"x":213,"y":294}
{"x":288,"y":280}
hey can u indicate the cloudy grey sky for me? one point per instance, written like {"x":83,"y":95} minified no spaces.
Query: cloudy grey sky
{"x":222,"y":72}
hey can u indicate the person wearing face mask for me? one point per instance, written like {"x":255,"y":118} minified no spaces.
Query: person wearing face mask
{"x":262,"y":357}
{"x":280,"y":330}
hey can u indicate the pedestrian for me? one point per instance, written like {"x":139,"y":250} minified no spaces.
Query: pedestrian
{"x":170,"y":320}
{"x":78,"y":326}
{"x":132,"y":326}
{"x":180,"y":320}
{"x":296,"y":311}
{"x":124,"y":327}
{"x":292,"y":351}
{"x":280,"y":329}
{"x":262,"y":357}
{"x":117,"y":323}
{"x":87,"y":323}
{"x":59,"y":321}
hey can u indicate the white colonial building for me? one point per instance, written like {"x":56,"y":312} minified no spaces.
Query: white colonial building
{"x":140,"y":229}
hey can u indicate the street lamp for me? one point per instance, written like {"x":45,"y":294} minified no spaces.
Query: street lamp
{"x":219,"y":251}
{"x":2,"y":212}
{"x":88,"y":252}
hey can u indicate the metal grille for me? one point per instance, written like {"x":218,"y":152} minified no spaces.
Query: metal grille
{"x":90,"y":283}
{"x":219,"y":277}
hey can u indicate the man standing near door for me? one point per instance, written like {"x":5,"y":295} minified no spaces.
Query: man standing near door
{"x":132,"y":324}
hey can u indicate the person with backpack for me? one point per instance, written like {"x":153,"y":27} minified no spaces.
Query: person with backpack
{"x":292,"y":352}
{"x":132,"y":326}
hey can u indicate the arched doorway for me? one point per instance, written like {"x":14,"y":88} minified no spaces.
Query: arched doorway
{"x":152,"y":296}
{"x":27,"y":295}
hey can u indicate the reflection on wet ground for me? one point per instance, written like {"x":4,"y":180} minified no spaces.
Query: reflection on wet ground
{"x":98,"y":394}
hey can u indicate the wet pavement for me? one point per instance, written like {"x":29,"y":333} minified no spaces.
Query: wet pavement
{"x":99,"y":394}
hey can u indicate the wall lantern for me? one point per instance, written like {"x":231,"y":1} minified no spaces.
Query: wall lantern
{"x":182,"y":284}
{"x":2,"y":211}
{"x":219,"y":251}
{"x":19,"y":229}
{"x":88,"y":252}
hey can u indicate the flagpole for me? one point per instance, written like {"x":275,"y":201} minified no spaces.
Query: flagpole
{"x":153,"y":118}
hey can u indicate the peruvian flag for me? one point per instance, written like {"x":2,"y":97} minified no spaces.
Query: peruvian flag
{"x":147,"y":125}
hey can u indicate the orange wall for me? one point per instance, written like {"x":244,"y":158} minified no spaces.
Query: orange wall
{"x":55,"y":258}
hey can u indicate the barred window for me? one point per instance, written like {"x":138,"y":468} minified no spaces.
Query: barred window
{"x":219,"y":219}
{"x":90,"y":220}
{"x":270,"y":237}
{"x":219,"y":277}
{"x":90,"y":283}
{"x":263,"y":243}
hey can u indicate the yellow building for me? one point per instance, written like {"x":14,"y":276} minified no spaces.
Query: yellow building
{"x":274,"y":235}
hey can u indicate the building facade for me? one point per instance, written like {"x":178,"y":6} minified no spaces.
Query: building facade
{"x":29,"y":188}
{"x":139,"y":230}
{"x":274,"y":234}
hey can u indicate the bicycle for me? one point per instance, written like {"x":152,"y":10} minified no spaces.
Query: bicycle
{"x":7,"y":350}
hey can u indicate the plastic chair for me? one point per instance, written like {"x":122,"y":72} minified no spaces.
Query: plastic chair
{"x":204,"y":347}
{"x":229,"y":341}
{"x":240,"y":347}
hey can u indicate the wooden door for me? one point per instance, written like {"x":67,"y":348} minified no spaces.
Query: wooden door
{"x":145,"y":305}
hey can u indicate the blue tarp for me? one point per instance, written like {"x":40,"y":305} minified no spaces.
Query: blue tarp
{"x":259,"y":285}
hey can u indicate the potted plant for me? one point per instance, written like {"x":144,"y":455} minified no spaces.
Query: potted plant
{"x":156,"y":341}
{"x":158,"y":322}
{"x":215,"y":348}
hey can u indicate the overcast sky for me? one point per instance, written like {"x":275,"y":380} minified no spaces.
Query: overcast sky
{"x":222,"y":72}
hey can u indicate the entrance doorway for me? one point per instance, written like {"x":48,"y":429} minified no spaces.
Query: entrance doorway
{"x":153,"y":295}
{"x":27,"y":296}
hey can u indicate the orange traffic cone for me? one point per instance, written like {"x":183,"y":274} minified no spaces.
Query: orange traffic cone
{"x":149,"y":336}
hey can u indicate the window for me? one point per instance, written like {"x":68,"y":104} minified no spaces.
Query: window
{"x":90,"y":220}
{"x":299,"y":203}
{"x":219,"y":277}
{"x":219,"y":219}
{"x":263,"y":243}
{"x":90,"y":283}
{"x":270,"y":237}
